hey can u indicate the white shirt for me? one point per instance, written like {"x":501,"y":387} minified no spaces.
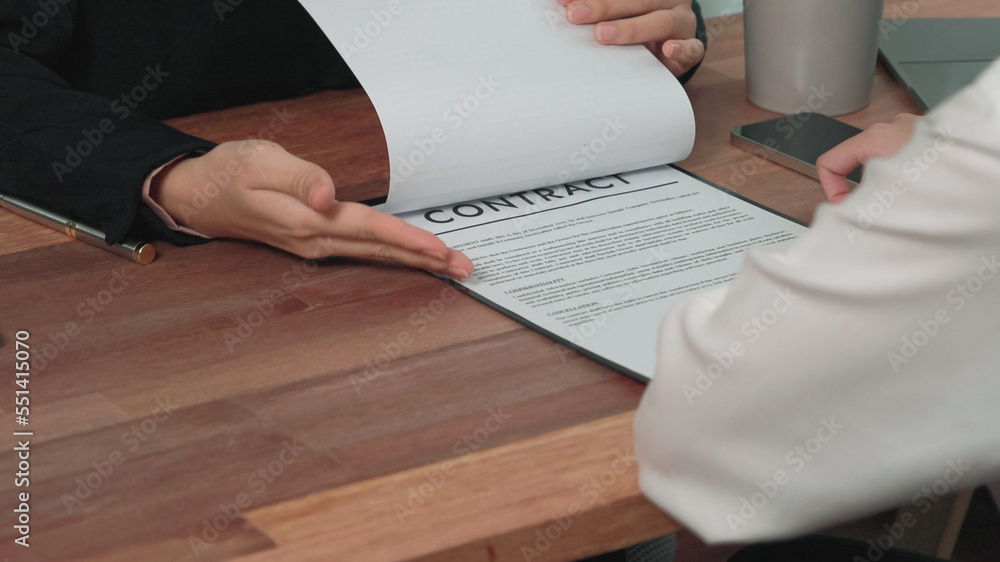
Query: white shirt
{"x":857,"y":370}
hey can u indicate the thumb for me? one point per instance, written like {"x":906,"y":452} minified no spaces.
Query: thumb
{"x":679,"y":55}
{"x":286,"y":173}
{"x":833,"y":166}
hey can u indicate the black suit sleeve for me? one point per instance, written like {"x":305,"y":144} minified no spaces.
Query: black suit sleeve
{"x":78,"y":154}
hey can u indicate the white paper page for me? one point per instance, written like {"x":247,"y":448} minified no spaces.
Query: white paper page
{"x":485,"y":97}
{"x":600,"y":262}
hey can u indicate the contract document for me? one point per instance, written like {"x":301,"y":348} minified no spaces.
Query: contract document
{"x":542,"y":155}
{"x":596,"y":264}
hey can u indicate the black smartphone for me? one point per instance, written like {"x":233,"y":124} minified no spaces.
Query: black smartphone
{"x":795,"y":141}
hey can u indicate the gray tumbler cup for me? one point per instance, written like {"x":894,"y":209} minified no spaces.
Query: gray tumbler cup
{"x":811,"y":55}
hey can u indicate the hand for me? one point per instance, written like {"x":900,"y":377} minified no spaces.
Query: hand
{"x":666,"y":27}
{"x":257,"y":191}
{"x":877,"y":141}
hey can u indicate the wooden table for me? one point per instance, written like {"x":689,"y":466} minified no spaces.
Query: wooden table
{"x":230,"y":401}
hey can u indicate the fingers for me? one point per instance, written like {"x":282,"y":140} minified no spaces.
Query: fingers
{"x":654,"y":26}
{"x":680,"y":55}
{"x":290,"y":203}
{"x":666,"y":27}
{"x":457,"y":266}
{"x":880,"y":140}
{"x":393,"y":237}
{"x":357,"y":221}
{"x":285,"y":173}
{"x":592,"y":11}
{"x":348,"y":230}
{"x":833,"y":166}
{"x":833,"y":180}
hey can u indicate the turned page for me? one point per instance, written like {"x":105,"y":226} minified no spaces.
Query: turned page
{"x":489,"y":97}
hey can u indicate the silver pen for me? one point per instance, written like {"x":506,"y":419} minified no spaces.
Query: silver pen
{"x":139,"y":252}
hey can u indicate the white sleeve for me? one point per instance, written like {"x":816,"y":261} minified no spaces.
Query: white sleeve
{"x":855,"y":371}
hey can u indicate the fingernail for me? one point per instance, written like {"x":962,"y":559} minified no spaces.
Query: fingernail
{"x":457,"y":274}
{"x":675,"y":51}
{"x":313,"y":202}
{"x":607,"y":32}
{"x":577,"y":12}
{"x":435,"y":255}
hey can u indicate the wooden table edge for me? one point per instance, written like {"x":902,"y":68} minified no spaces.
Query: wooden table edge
{"x":566,"y":510}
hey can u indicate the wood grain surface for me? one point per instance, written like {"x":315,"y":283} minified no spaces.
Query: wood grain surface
{"x":341,"y":410}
